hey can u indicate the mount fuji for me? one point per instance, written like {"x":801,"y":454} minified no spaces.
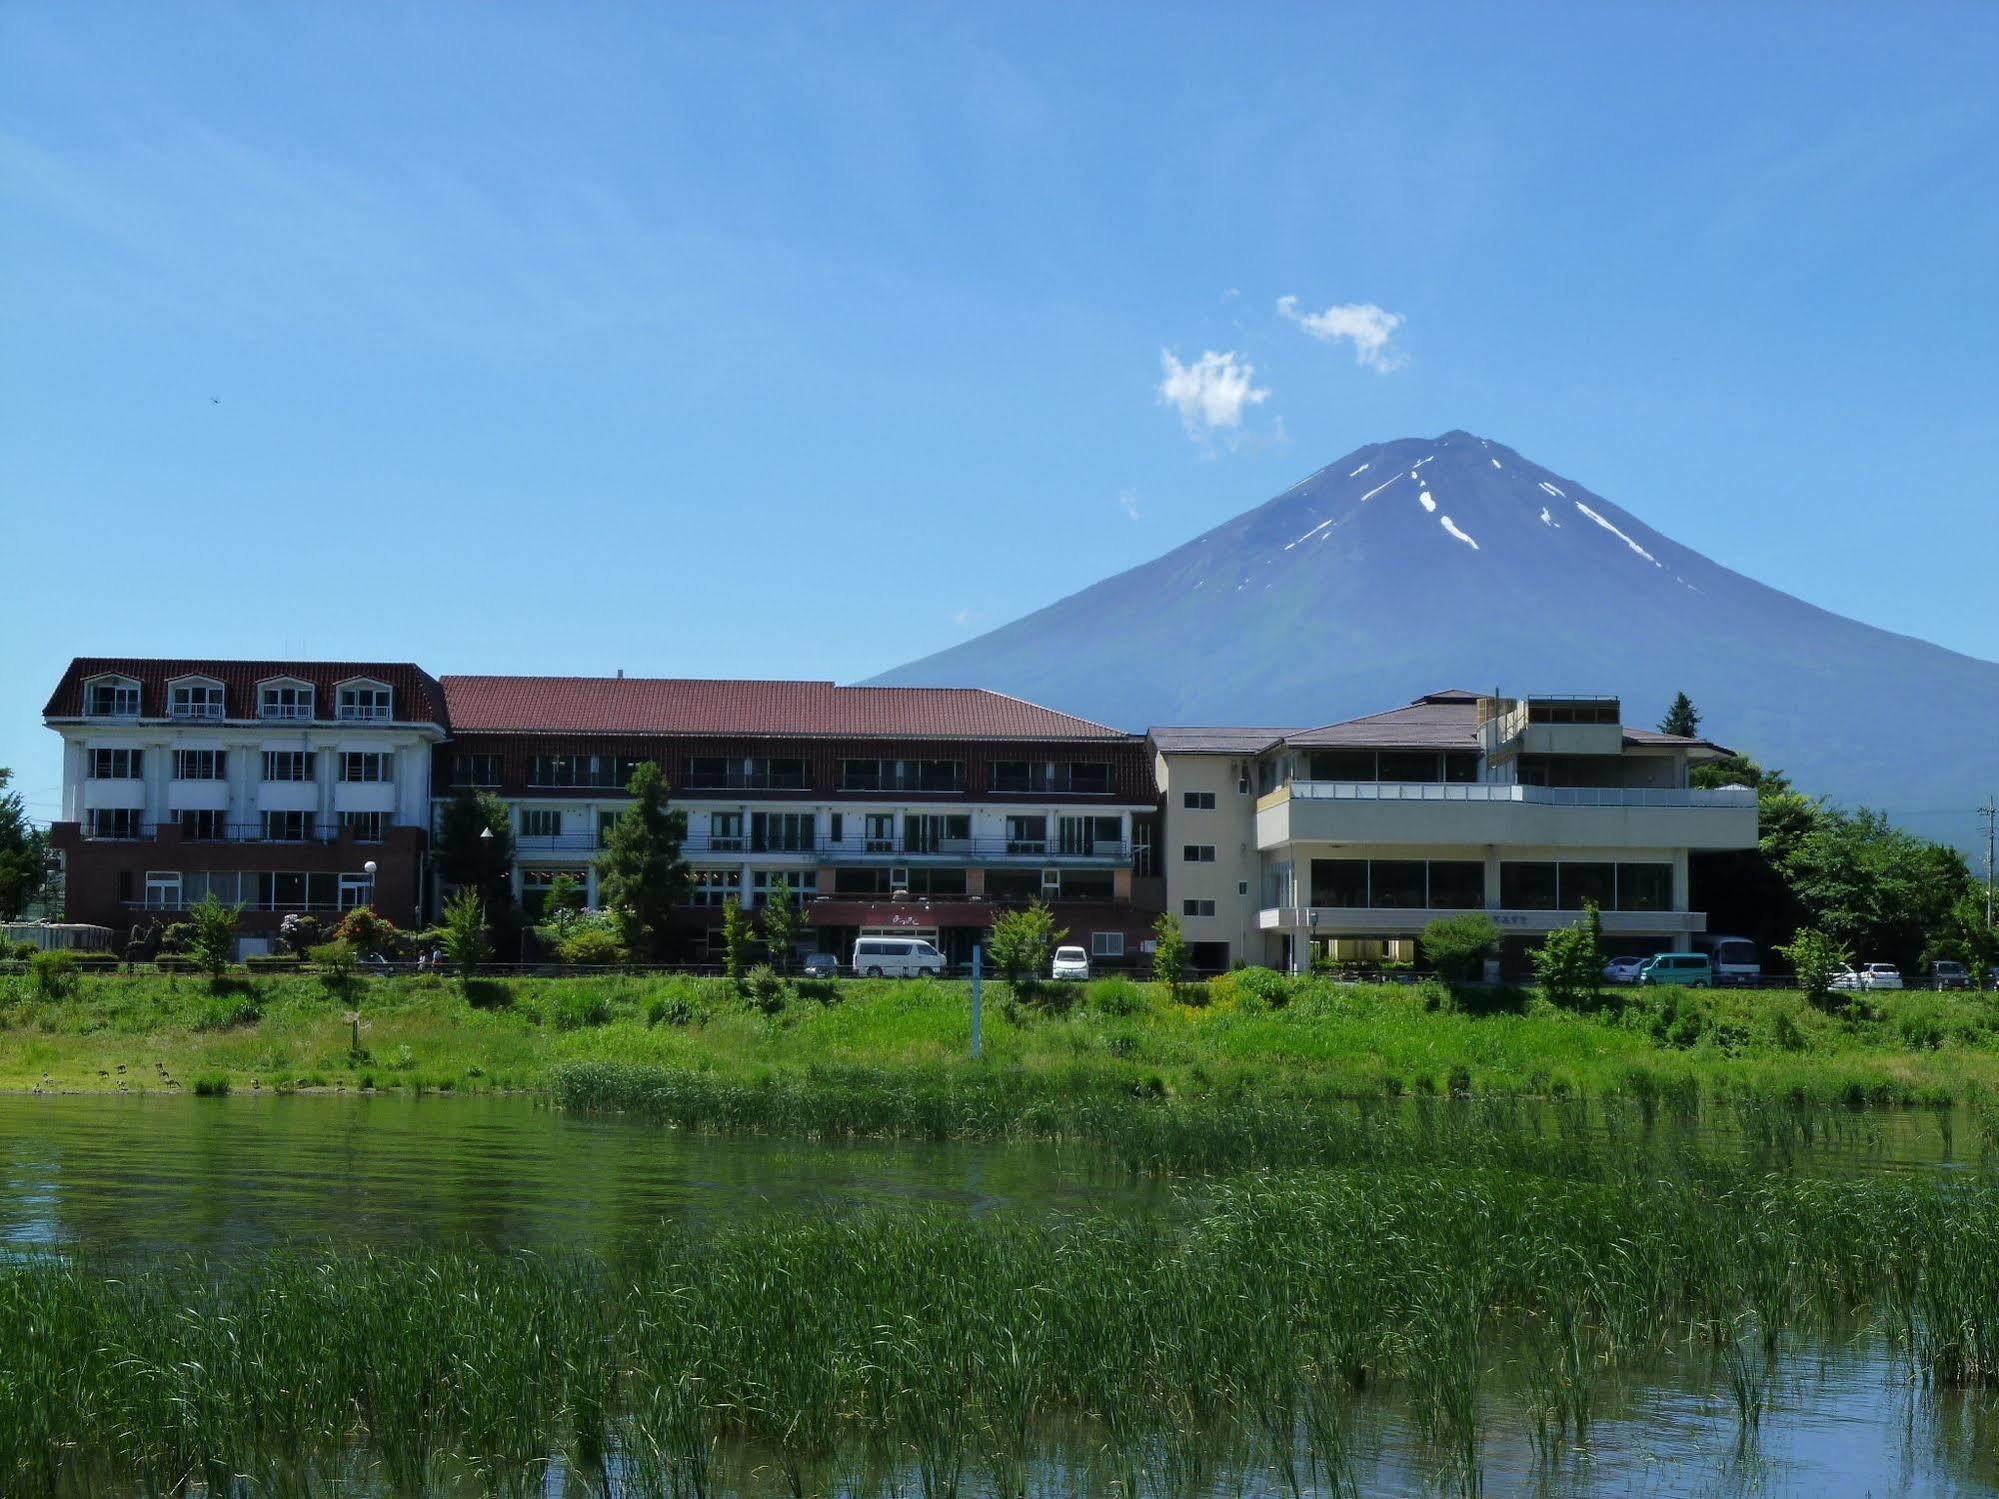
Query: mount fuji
{"x":1425,"y":563}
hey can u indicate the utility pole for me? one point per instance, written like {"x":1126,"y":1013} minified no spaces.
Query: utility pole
{"x":1990,"y":812}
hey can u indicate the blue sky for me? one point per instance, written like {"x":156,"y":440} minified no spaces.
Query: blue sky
{"x":746,"y":340}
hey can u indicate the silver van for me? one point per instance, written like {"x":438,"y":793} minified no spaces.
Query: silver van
{"x":896,"y":958}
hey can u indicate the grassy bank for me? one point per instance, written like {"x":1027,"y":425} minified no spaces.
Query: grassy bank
{"x":1251,"y":1038}
{"x":911,"y":1352}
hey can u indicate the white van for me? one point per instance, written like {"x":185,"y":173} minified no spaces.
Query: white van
{"x":896,"y":958}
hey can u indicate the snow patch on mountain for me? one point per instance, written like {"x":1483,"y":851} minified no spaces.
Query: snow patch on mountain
{"x":1452,"y":527}
{"x":1377,"y":490}
{"x":1426,"y":502}
{"x":1359,"y":471}
{"x":1617,"y":533}
{"x":1552,"y":490}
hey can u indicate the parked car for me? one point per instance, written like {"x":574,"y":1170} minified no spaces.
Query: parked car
{"x":1622,"y":970}
{"x":821,"y":965}
{"x":1948,"y":975}
{"x":1880,"y":976}
{"x":896,"y":958}
{"x":1689,"y":969}
{"x":1070,"y":963}
{"x":1845,"y":977}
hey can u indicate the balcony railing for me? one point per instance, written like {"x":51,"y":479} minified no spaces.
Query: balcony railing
{"x":352,"y":711}
{"x":298,"y":712}
{"x":233,"y":832}
{"x":896,"y":850}
{"x":1332,"y":921}
{"x":208,"y":711}
{"x":1534,"y":796}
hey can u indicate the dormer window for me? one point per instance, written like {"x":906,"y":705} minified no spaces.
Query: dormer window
{"x":284,"y":700}
{"x":366,"y":700}
{"x":112,"y":697}
{"x":194,"y":700}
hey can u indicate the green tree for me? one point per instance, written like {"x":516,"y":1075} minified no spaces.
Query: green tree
{"x":1021,"y":944}
{"x":213,"y":943}
{"x":24,"y":856}
{"x":780,"y":920}
{"x":1457,"y":946}
{"x":1815,"y":956}
{"x":1171,"y":956}
{"x":737,"y":935}
{"x":1569,"y":962}
{"x":466,"y":859}
{"x":463,"y":934}
{"x":1682,"y":718}
{"x":641,"y":874}
{"x":1873,"y":887}
{"x":335,"y":961}
{"x":564,"y":903}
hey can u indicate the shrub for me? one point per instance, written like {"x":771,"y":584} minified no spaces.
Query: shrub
{"x":1263,"y":988}
{"x":1815,"y":958}
{"x":674,"y":1009}
{"x":54,"y":973}
{"x":590,"y":945}
{"x":1569,"y":962}
{"x":577,"y":1011}
{"x":764,"y":990}
{"x":1171,"y":956}
{"x":177,"y":938}
{"x":214,"y":940}
{"x":825,"y":991}
{"x":1115,"y":995}
{"x":737,"y":936}
{"x":465,"y":945}
{"x":1457,"y":946}
{"x":24,"y":951}
{"x":335,"y":961}
{"x":366,"y":931}
{"x":212,"y":1085}
{"x":300,"y":932}
{"x":1021,"y":944}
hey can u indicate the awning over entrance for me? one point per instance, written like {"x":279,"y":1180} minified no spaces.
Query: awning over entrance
{"x":926,"y":915}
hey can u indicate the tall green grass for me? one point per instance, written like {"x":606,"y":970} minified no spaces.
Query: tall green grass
{"x":925,"y":1352}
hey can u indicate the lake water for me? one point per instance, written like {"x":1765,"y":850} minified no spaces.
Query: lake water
{"x":132,"y":1179}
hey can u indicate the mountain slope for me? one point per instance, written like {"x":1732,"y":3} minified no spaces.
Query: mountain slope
{"x":1453,"y":561}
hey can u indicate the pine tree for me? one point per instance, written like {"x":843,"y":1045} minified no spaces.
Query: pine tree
{"x":641,"y":875}
{"x":466,"y":859}
{"x":1682,"y":719}
{"x":23,"y":853}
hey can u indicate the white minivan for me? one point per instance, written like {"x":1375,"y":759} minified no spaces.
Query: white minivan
{"x":896,"y":958}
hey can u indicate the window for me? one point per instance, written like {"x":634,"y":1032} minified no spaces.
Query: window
{"x":367,"y":765}
{"x":1644,"y":887}
{"x":541,"y":822}
{"x":1197,"y":908}
{"x":288,"y":827}
{"x":284,"y":700}
{"x":475,"y":770}
{"x":1089,"y":778}
{"x":201,"y":765}
{"x":115,"y":764}
{"x":714,"y":886}
{"x":1027,"y":835}
{"x":290,"y":765}
{"x":226,"y":885}
{"x":366,"y":701}
{"x":1242,"y":887}
{"x":781,"y":832}
{"x":1198,"y":801}
{"x":725,"y":831}
{"x":1460,"y":768}
{"x":207,"y":827}
{"x":1197,"y":853}
{"x":1090,"y":835}
{"x":946,"y":832}
{"x":194,"y":700}
{"x":1527,"y":887}
{"x":365,"y":827}
{"x":1457,"y":885}
{"x":558,"y":770}
{"x":1107,"y":944}
{"x":115,"y":822}
{"x":1013,"y":884}
{"x":878,"y":832}
{"x":802,"y":883}
{"x":902,"y":775}
{"x":1577,"y":884}
{"x":605,"y":822}
{"x":1411,"y":765}
{"x":163,"y":890}
{"x":1396,"y":884}
{"x":1339,"y":882}
{"x":1085,"y":777}
{"x":758,"y":773}
{"x":116,"y":699}
{"x":1011,"y":775}
{"x":876,"y":880}
{"x":1087,"y":884}
{"x":354,"y":890}
{"x":288,"y":890}
{"x":1339,"y":765}
{"x":536,"y":883}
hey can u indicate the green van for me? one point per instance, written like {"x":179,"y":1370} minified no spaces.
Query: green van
{"x":1691,"y":970}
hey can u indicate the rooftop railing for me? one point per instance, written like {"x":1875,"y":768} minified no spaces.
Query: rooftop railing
{"x":1533,"y":796}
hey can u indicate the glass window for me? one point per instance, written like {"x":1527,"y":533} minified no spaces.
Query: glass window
{"x":1588,"y":882}
{"x":1013,"y":884}
{"x":115,"y":764}
{"x":802,"y":883}
{"x":541,"y":822}
{"x":781,"y":832}
{"x":1013,"y":775}
{"x":285,"y":701}
{"x":1026,"y":835}
{"x":366,"y":765}
{"x":1086,"y":884}
{"x":290,"y":765}
{"x":207,"y":826}
{"x":1644,"y":887}
{"x":364,"y":702}
{"x":1460,"y":769}
{"x":116,"y":822}
{"x":1197,"y":853}
{"x":1339,"y":882}
{"x":1397,"y":884}
{"x":113,"y":700}
{"x":1197,"y":908}
{"x":288,"y":827}
{"x":475,"y":770}
{"x":364,"y":827}
{"x":1107,"y":944}
{"x":1090,"y":778}
{"x":1457,"y":885}
{"x":1527,"y":887}
{"x":354,"y":890}
{"x":713,"y":887}
{"x":195,"y":700}
{"x":1411,"y":765}
{"x":1198,"y":801}
{"x":1340,"y":765}
{"x":201,"y":765}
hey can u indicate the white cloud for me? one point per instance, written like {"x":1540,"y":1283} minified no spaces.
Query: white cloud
{"x":1210,"y":393}
{"x":962,"y":617}
{"x":1128,"y":499}
{"x":1367,"y":326}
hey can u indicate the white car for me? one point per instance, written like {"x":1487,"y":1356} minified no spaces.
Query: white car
{"x":1622,"y":970}
{"x":1880,"y":976}
{"x":1070,"y":963}
{"x":1843,"y":977}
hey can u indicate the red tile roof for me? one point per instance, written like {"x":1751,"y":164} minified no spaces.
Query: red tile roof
{"x":682,"y":705}
{"x":418,"y":699}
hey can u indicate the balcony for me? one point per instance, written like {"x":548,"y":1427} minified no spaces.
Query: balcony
{"x":1376,"y":921}
{"x":196,"y":712}
{"x":1101,"y":853}
{"x":232,"y":832}
{"x":364,"y":713}
{"x":1564,"y":816}
{"x":285,"y":712}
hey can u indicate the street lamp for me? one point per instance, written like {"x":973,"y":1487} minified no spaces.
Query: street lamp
{"x":369,"y":870}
